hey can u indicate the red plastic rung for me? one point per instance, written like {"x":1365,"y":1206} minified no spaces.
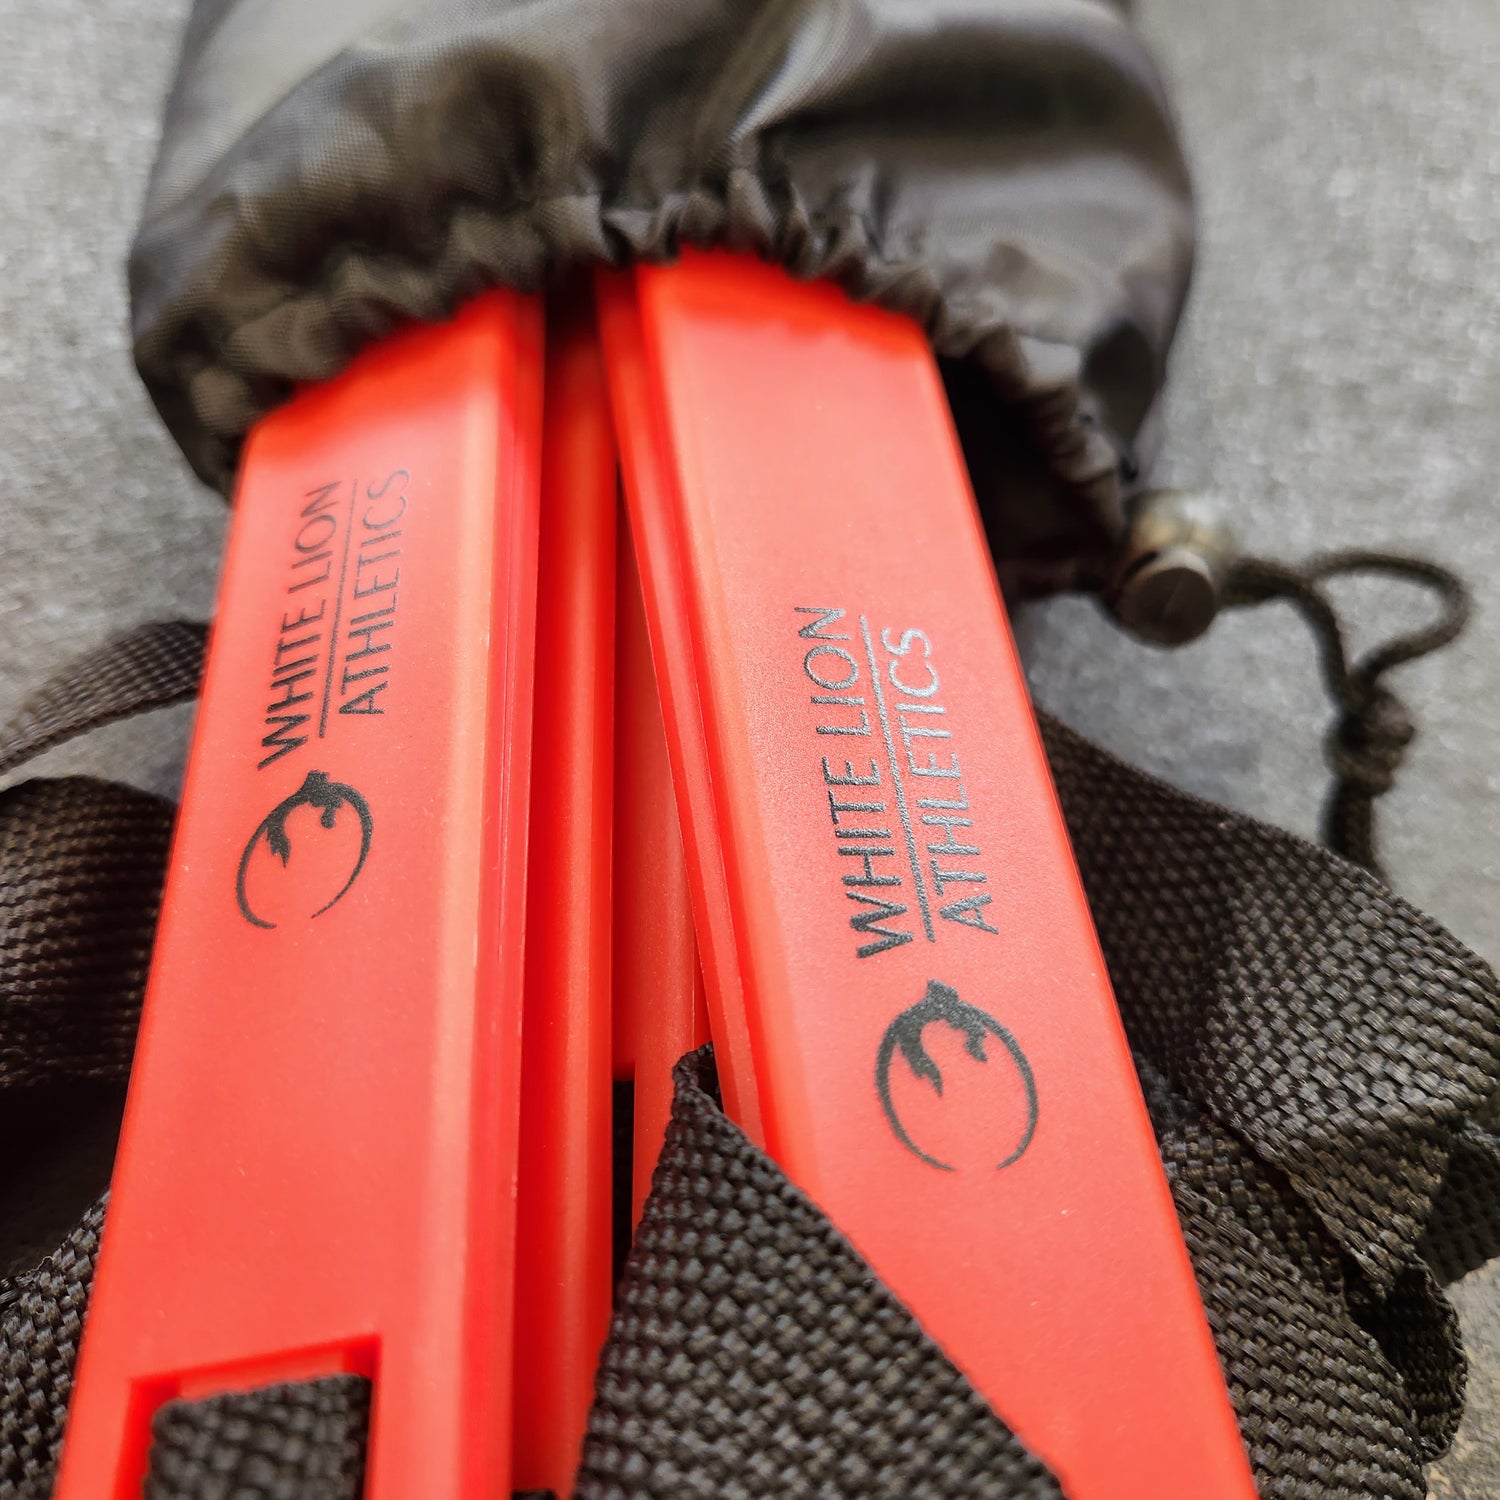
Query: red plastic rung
{"x":908,"y":1003}
{"x":318,"y":1161}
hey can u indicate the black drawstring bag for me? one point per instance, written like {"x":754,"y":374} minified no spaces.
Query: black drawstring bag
{"x":1316,"y":1055}
{"x":1007,"y":174}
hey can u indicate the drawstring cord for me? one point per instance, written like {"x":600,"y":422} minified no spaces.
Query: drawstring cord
{"x":1366,"y":746}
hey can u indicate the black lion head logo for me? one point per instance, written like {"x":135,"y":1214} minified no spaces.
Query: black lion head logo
{"x":328,"y":796}
{"x":980,"y":1030}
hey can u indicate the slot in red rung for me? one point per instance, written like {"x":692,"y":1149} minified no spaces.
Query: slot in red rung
{"x":563,"y":1258}
{"x":660,"y":1013}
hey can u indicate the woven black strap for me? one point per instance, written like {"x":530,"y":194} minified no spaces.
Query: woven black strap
{"x":754,"y":1354}
{"x":41,"y":1322}
{"x":1337,"y":1030}
{"x":299,"y":1441}
{"x":1464,"y":1230}
{"x":1325,"y":1408}
{"x":151,"y":667}
{"x":81,"y":865}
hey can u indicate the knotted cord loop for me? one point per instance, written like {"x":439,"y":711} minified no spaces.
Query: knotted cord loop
{"x":1366,"y":746}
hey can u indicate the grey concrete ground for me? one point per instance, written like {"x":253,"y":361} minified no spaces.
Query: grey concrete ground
{"x":1337,"y":382}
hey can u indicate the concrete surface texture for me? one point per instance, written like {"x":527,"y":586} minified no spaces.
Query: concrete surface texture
{"x":1336,"y":384}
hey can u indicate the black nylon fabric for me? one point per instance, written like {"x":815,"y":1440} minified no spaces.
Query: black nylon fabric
{"x":754,"y":1354}
{"x":41,"y":1323}
{"x":1314,"y":1050}
{"x":80,"y":880}
{"x":153,"y":666}
{"x":81,"y":869}
{"x":1329,"y":1024}
{"x":300,"y":1441}
{"x":81,"y":866}
{"x":1324,"y":1409}
{"x":1008,"y":174}
{"x":1464,"y":1230}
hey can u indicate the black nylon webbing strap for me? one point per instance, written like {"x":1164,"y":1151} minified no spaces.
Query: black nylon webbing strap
{"x":1325,"y":1021}
{"x":41,"y":1322}
{"x":1464,"y":1230}
{"x":81,"y":866}
{"x":754,"y":1355}
{"x":151,"y":667}
{"x":299,"y":1441}
{"x":1323,"y":1411}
